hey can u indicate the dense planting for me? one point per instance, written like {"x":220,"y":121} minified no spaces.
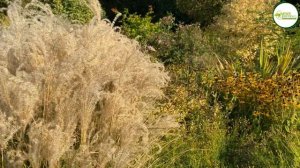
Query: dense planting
{"x":165,"y":83}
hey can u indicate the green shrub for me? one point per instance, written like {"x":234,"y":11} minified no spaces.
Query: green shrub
{"x":160,"y":8}
{"x":202,"y":11}
{"x":173,"y":43}
{"x":184,"y":51}
{"x":199,"y":140}
{"x":140,"y":28}
{"x":77,"y":11}
{"x":3,"y":3}
{"x":184,"y":46}
{"x":3,"y":19}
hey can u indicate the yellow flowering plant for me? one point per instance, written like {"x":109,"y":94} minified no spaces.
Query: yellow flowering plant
{"x":261,"y":108}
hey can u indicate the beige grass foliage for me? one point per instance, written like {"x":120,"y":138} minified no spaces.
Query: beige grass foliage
{"x":73,"y":95}
{"x":243,"y":24}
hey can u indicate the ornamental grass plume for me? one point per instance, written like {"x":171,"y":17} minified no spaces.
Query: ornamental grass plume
{"x":73,"y":95}
{"x":241,"y":27}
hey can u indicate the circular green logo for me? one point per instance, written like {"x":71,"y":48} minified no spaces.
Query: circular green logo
{"x":285,"y":15}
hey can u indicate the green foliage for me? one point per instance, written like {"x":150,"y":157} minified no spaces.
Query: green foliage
{"x":294,"y":36}
{"x":161,"y":8}
{"x":173,"y":43}
{"x":77,"y":11}
{"x":187,"y":45}
{"x":281,"y":62}
{"x":141,"y":28}
{"x":247,"y":109}
{"x":57,"y":6}
{"x":248,"y":118}
{"x":263,"y":120}
{"x":200,"y":139}
{"x":235,"y":85}
{"x":3,"y":3}
{"x":262,"y":108}
{"x":3,"y":19}
{"x":202,"y":11}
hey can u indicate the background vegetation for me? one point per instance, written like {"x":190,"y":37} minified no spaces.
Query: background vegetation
{"x":235,"y":84}
{"x":233,"y":97}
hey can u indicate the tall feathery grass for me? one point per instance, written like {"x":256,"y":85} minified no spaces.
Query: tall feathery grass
{"x":73,"y":95}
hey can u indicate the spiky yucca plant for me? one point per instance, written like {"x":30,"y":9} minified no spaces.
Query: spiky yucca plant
{"x":280,"y":62}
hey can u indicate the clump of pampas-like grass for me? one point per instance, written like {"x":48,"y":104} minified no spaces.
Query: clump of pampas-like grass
{"x":73,"y":95}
